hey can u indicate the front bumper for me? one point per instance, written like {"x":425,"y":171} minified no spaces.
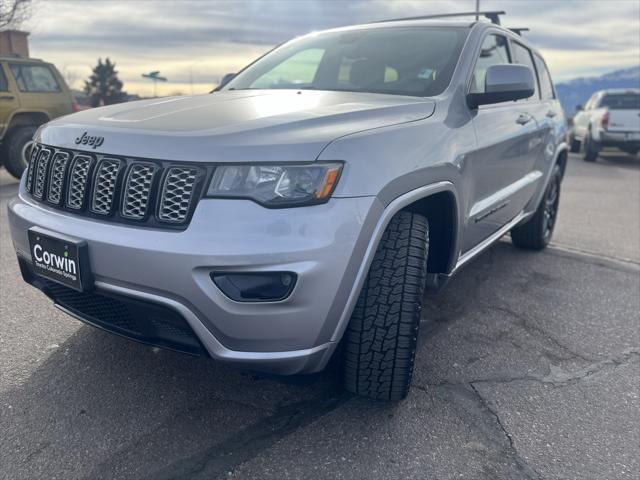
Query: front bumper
{"x":324,"y":245}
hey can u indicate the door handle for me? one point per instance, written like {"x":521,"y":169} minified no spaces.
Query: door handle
{"x":523,"y":119}
{"x":551,"y":113}
{"x":7,"y":97}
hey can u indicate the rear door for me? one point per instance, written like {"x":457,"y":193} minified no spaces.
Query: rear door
{"x":8,"y":100}
{"x":507,"y":143}
{"x":544,"y":110}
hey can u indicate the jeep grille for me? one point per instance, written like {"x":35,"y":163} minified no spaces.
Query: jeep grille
{"x":147,"y":193}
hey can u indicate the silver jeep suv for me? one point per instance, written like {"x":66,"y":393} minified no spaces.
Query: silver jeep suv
{"x":299,"y":212}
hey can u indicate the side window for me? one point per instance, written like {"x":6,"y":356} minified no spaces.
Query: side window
{"x":522,"y":55}
{"x":591,"y":102}
{"x":299,"y":69}
{"x":34,"y":78}
{"x":4,"y":86}
{"x":494,"y":51}
{"x":546,"y":86}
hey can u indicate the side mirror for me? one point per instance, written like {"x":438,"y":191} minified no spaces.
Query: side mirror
{"x":226,"y":79}
{"x":504,"y":83}
{"x":579,"y":108}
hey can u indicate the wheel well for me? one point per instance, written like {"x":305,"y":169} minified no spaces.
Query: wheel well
{"x":24,"y":119}
{"x":440,"y":209}
{"x":562,"y":161}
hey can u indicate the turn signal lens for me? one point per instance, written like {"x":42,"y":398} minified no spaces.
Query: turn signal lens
{"x":330,"y":179}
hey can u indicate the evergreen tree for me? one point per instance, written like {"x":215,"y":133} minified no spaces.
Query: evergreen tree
{"x":103,"y":86}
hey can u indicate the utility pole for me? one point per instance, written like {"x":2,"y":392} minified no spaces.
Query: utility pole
{"x":477,"y":10}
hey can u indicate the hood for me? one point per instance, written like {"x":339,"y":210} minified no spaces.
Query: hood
{"x":232,"y":126}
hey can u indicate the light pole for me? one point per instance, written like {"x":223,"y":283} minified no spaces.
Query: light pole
{"x":155,"y":76}
{"x":191,"y":73}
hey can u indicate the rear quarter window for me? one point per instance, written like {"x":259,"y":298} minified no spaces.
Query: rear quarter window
{"x":546,"y":86}
{"x":34,"y":78}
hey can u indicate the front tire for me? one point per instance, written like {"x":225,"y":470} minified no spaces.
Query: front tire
{"x":536,"y":233}
{"x":380,"y":341}
{"x":17,"y":150}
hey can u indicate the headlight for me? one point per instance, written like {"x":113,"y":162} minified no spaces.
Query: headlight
{"x":276,"y":185}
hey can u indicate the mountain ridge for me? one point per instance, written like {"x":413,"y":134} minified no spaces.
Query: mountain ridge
{"x":577,"y":91}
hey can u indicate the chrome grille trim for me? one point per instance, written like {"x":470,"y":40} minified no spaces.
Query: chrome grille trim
{"x":178,"y":190}
{"x":104,"y":186}
{"x":56,"y":179}
{"x":32,"y":167}
{"x":137,"y":190}
{"x":78,"y":179}
{"x":42,"y":170}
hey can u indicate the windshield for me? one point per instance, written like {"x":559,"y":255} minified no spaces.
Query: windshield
{"x":417,"y":61}
{"x":627,"y":101}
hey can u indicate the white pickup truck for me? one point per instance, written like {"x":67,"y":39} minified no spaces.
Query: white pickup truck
{"x":611,"y":118}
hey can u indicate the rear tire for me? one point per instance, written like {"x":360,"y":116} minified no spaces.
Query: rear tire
{"x":380,"y":341}
{"x":17,"y":149}
{"x":591,"y":149}
{"x":536,"y":233}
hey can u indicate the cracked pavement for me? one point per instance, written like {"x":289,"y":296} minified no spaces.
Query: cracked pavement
{"x":528,"y":367}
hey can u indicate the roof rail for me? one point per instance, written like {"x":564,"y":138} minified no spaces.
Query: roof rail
{"x":493,"y":15}
{"x":519,"y":31}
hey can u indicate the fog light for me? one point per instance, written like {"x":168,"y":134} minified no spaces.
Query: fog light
{"x":255,"y":286}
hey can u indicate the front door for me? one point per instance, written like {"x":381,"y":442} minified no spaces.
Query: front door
{"x":502,"y":165}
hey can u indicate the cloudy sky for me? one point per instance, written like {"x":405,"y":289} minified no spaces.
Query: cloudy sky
{"x":194,"y":42}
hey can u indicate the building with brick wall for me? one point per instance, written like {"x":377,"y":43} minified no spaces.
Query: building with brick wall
{"x":14,"y":42}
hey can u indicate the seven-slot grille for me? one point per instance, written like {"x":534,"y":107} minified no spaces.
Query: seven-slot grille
{"x":122,"y":189}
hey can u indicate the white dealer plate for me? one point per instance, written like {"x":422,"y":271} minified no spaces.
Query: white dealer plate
{"x":59,"y":258}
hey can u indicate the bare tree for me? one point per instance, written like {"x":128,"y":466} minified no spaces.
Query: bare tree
{"x":13,"y":13}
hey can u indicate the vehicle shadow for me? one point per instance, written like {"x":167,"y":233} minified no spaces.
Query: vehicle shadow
{"x":126,"y":403}
{"x":100,"y":406}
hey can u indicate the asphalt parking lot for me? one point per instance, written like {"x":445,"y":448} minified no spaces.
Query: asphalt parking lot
{"x":528,"y":367}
